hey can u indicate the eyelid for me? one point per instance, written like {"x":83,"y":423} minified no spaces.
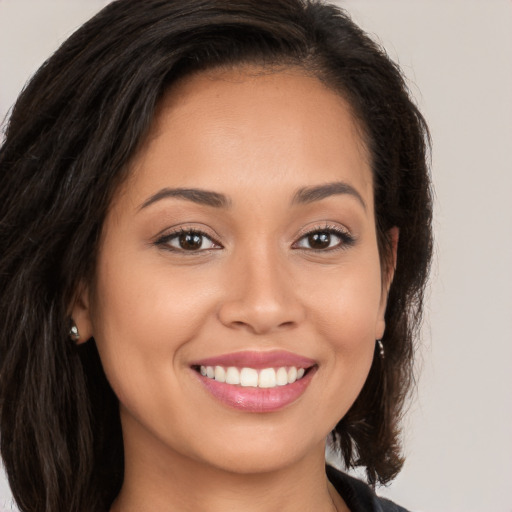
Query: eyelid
{"x":323,"y":226}
{"x":185,"y":227}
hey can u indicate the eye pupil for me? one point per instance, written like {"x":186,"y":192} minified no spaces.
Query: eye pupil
{"x":190,"y":241}
{"x":319,"y":240}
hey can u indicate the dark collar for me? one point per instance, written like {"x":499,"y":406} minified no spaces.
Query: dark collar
{"x":359,"y":496}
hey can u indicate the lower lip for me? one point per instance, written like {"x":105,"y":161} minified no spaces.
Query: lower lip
{"x":250,"y":399}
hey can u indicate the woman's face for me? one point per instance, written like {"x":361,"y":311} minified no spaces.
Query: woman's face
{"x":243,"y":246}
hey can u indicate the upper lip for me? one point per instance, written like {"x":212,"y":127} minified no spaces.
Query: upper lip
{"x":257,"y":360}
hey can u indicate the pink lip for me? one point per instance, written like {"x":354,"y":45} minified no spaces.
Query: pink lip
{"x":257,"y":400}
{"x":257,"y":360}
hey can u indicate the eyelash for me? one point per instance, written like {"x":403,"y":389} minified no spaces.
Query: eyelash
{"x":346,"y":240}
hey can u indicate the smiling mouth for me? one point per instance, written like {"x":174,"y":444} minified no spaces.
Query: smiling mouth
{"x":251,"y":377}
{"x":256,"y":381}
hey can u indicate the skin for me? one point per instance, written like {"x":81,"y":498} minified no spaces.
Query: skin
{"x":256,"y":138}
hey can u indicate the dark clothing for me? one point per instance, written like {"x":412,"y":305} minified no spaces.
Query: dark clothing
{"x":358,"y":496}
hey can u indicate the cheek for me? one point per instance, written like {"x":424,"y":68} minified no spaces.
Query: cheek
{"x":148,"y":301}
{"x":344,"y":308}
{"x":346,"y":304}
{"x":142,"y":317}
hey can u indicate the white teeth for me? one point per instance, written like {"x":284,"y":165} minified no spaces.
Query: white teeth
{"x":232,"y":375}
{"x":267,"y":378}
{"x":250,"y":377}
{"x":220,"y":374}
{"x":282,"y":376}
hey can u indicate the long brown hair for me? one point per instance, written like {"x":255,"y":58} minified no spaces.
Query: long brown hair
{"x":71,"y":136}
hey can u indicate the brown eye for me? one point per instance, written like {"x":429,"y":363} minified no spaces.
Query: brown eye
{"x":325,"y":240}
{"x":190,"y":241}
{"x":319,"y":240}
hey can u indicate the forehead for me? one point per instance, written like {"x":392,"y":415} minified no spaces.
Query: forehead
{"x":222,"y":127}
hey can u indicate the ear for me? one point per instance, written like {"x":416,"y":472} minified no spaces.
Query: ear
{"x":388,"y":272}
{"x":81,"y":313}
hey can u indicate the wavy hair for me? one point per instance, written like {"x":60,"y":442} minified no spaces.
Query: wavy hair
{"x":68,"y":145}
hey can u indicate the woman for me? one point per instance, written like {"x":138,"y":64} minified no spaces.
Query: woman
{"x":215,"y":229}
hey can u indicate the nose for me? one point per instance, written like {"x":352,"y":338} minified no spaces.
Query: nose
{"x":261,"y":296}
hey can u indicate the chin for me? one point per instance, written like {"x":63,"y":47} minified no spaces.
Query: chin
{"x":261,"y":452}
{"x":257,"y":460}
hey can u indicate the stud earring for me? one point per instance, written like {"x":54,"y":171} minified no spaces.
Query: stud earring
{"x":73,"y":332}
{"x":381,"y":348}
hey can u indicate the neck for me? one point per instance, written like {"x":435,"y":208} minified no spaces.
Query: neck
{"x":159,"y":479}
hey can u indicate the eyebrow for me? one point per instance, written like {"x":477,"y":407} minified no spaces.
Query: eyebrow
{"x":196,"y":195}
{"x":311,"y":194}
{"x":215,"y":199}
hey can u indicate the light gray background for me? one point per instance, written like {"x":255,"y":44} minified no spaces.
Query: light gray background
{"x":458,"y":57}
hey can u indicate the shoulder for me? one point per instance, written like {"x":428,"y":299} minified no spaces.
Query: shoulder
{"x":359,"y":496}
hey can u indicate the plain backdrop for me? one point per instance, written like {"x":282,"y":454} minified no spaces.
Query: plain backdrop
{"x":457,"y":55}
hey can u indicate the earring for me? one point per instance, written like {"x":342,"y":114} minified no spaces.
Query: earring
{"x":73,"y":332}
{"x":381,"y":348}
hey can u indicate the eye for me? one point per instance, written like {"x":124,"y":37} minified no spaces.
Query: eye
{"x":325,"y":239}
{"x":188,"y":240}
